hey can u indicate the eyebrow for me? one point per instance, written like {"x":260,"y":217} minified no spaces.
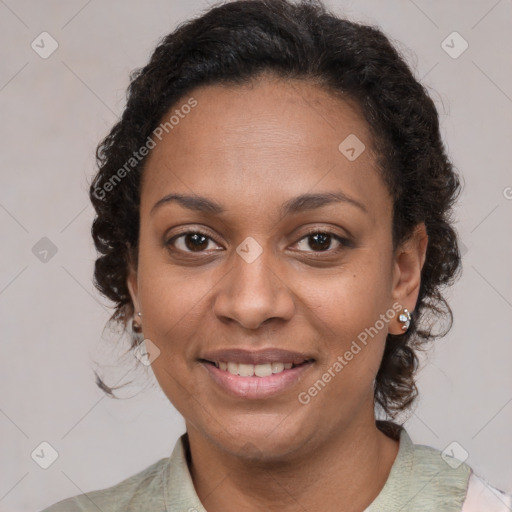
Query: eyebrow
{"x":298,"y":204}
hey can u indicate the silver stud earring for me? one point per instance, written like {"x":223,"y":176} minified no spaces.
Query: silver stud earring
{"x":405,"y":319}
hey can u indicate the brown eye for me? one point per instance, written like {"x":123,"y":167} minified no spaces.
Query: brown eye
{"x":190,"y":241}
{"x":321,"y":241}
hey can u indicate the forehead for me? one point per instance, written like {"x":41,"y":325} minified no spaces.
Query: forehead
{"x":269,"y":137}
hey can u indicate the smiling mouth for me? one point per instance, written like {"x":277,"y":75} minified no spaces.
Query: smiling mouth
{"x":255,"y":370}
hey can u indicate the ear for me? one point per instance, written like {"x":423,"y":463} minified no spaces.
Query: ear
{"x":408,"y":261}
{"x":132,"y":283}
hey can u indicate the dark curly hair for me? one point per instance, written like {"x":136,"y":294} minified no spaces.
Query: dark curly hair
{"x":233,"y":43}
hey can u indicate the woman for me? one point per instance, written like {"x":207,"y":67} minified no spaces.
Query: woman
{"x":273,"y":218}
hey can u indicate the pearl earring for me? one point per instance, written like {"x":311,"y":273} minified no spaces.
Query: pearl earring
{"x":136,"y":326}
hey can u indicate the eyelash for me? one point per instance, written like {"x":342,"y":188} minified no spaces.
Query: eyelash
{"x":343,"y":241}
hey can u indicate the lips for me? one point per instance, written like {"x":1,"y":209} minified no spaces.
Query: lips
{"x":256,"y":374}
{"x":253,"y":357}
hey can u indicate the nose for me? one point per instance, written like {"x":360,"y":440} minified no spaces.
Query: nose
{"x":253,"y":293}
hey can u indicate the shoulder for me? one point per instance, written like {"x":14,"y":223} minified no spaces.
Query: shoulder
{"x":483,"y":497}
{"x":452,"y":478}
{"x":441,"y":478}
{"x":142,"y":491}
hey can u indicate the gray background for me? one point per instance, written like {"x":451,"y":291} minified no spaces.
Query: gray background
{"x":53,"y":113}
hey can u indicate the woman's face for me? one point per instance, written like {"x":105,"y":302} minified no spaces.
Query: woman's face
{"x":264,"y":271}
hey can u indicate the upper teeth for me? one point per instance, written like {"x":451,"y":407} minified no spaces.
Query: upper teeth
{"x":249,"y":370}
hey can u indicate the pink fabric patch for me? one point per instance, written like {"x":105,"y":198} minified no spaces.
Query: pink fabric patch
{"x":483,"y":497}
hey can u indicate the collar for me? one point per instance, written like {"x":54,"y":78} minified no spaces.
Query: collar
{"x":420,"y":479}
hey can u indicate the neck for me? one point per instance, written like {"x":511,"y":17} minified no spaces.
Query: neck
{"x":346,"y":472}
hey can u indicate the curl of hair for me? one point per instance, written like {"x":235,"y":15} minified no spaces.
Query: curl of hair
{"x":234,"y":43}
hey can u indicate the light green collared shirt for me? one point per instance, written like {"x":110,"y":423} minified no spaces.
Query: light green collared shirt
{"x":421,"y":479}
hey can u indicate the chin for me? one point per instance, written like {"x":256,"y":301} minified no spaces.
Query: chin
{"x":260,"y":440}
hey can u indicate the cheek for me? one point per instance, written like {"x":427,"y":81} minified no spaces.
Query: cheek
{"x":346,"y":301}
{"x":173,"y":300}
{"x":350,"y":317}
{"x":173,"y":313}
{"x":172,"y":295}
